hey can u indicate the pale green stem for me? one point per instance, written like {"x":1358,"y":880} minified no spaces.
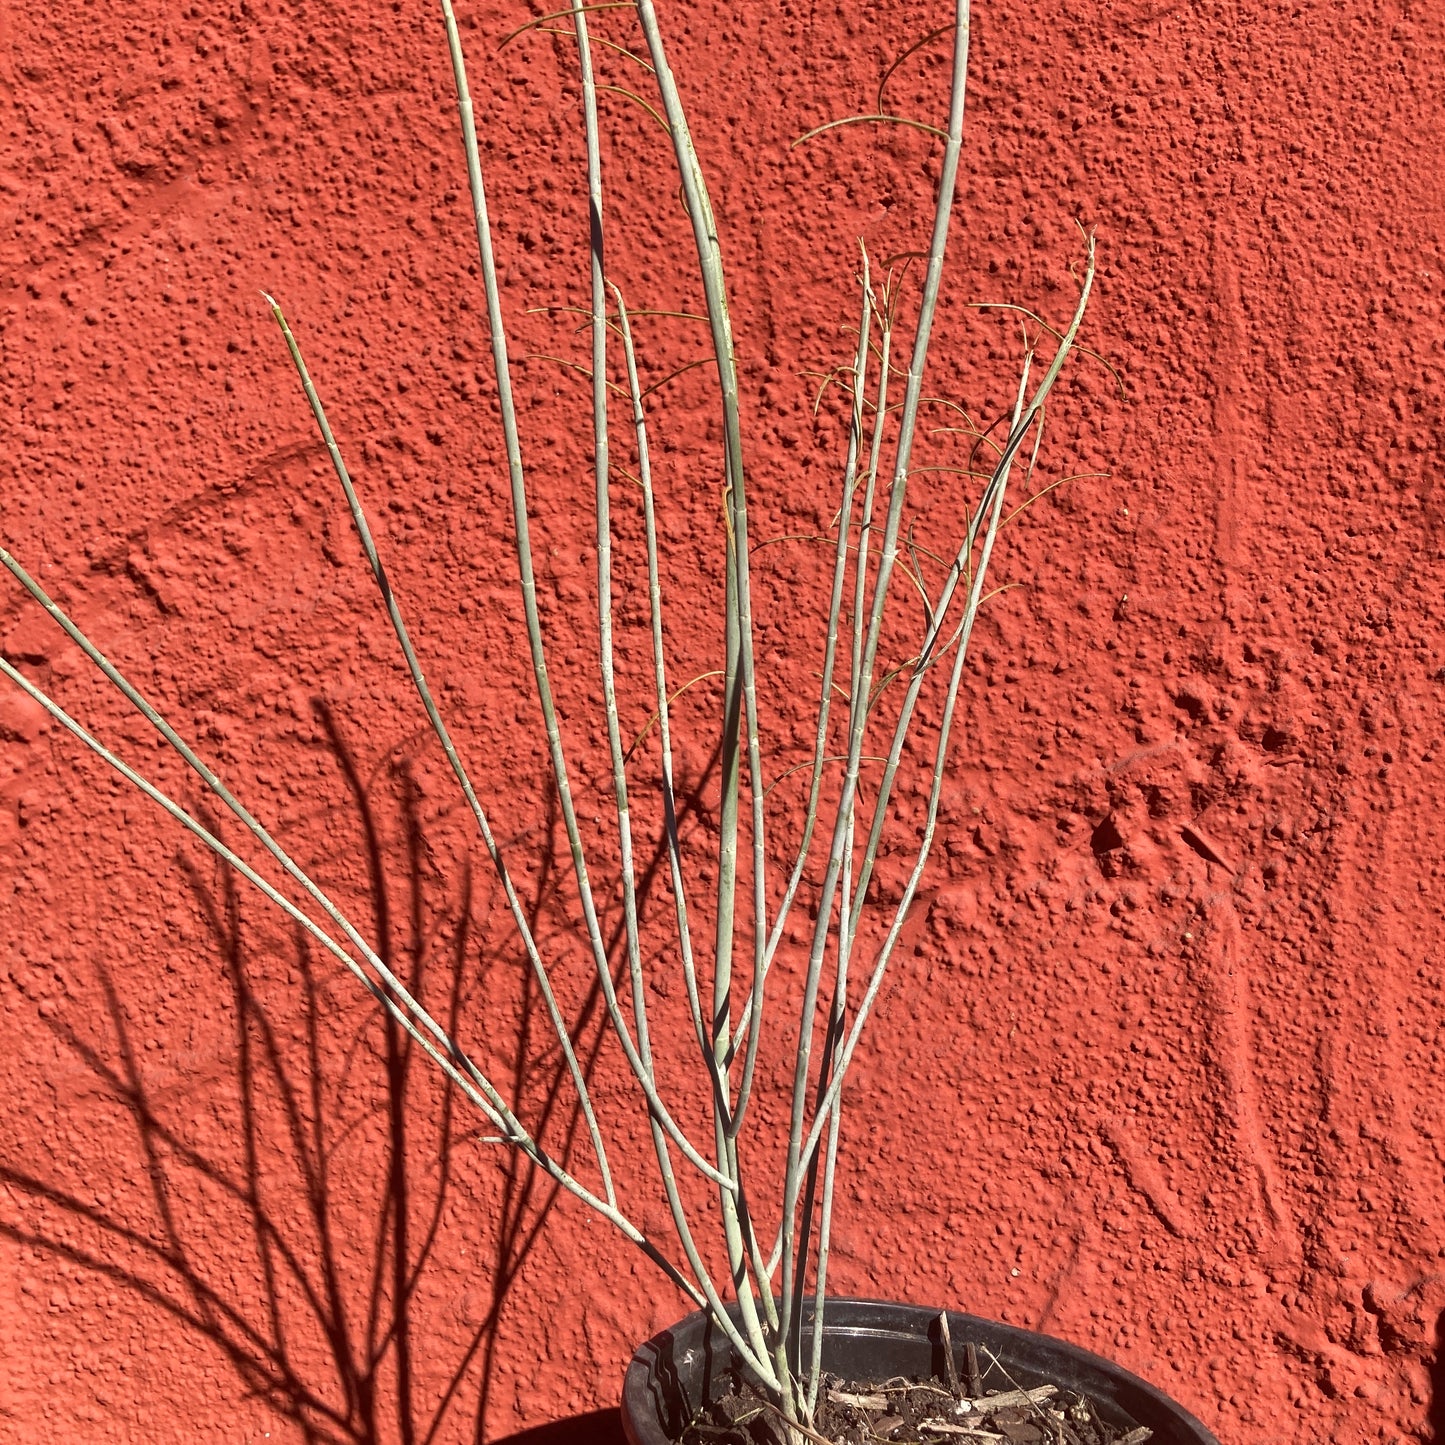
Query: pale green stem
{"x":453,"y":1062}
{"x":820,"y":745}
{"x":993,"y":499}
{"x":738,"y":665}
{"x":727,"y":1145}
{"x":644,"y":468}
{"x":439,"y":727}
{"x":659,"y":667}
{"x":830,"y":1162}
{"x":214,"y":783}
{"x":865,"y":532}
{"x":928,"y":304}
{"x":1024,"y":420}
{"x":740,"y":670}
{"x":609,"y":681}
{"x":512,"y":443}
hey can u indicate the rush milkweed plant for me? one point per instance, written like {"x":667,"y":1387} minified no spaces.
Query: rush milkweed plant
{"x":868,"y":731}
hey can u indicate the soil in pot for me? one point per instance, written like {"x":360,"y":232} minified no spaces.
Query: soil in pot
{"x":920,"y":1412}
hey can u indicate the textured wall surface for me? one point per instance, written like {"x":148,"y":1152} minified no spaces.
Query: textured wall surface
{"x":1159,"y":1068}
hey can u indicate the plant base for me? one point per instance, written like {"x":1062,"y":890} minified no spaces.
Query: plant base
{"x":677,"y":1371}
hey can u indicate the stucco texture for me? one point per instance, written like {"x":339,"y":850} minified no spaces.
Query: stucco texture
{"x":1158,"y":1066}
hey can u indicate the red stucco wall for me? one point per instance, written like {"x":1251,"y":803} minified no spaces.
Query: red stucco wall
{"x":1159,"y":1070}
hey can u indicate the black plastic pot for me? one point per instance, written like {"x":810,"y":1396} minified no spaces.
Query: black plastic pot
{"x":675,"y":1372}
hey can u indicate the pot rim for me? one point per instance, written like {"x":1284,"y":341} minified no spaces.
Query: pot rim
{"x":671,"y":1373}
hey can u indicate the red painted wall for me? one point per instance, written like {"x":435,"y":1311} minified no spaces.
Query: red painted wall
{"x":1159,"y":1070}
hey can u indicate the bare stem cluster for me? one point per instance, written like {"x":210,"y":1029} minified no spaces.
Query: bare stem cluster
{"x":769,"y":1270}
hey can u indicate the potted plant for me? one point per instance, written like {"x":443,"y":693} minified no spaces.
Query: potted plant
{"x":815,"y":917}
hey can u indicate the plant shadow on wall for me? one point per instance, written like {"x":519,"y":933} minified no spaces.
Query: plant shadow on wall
{"x":294,"y":1216}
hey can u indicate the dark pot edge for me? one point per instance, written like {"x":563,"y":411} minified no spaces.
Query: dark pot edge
{"x":886,"y":1319}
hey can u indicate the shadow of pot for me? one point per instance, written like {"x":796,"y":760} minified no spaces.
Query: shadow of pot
{"x":677,"y":1371}
{"x":600,"y":1427}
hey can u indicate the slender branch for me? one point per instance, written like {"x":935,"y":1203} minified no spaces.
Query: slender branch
{"x":578,"y":10}
{"x":830,"y":1165}
{"x":881,"y":119}
{"x":527,"y":575}
{"x":820,"y":743}
{"x":1024,"y":422}
{"x":451,"y":1060}
{"x":992,"y":500}
{"x":221,"y":791}
{"x":664,"y":701}
{"x":927,"y":307}
{"x":439,"y":727}
{"x":740,"y":691}
{"x":609,"y":680}
{"x":899,"y":59}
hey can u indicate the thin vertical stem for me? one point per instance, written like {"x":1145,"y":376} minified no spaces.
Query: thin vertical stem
{"x":664,"y":710}
{"x":738,"y":660}
{"x":1025,"y":418}
{"x":830,"y":655}
{"x":527,"y":575}
{"x":991,"y":506}
{"x":608,"y":669}
{"x":740,"y":700}
{"x":928,"y":305}
{"x":830,"y":1163}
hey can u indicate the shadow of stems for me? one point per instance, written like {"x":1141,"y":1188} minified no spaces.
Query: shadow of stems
{"x":325,"y":1161}
{"x":263,"y":1237}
